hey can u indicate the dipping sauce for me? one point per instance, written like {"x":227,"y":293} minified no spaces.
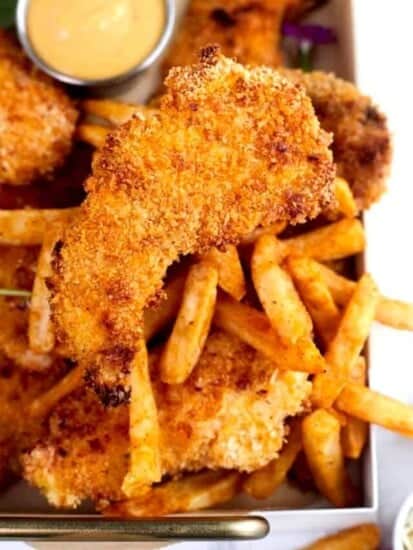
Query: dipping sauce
{"x":95,"y":39}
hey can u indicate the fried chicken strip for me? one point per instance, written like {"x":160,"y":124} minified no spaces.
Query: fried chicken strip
{"x":245,"y":30}
{"x":230,"y":149}
{"x":17,"y":388}
{"x":229,"y":414}
{"x":361,"y":138}
{"x":37,"y":118}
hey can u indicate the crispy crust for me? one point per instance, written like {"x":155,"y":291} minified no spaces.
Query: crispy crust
{"x":17,"y":388}
{"x":230,"y":413}
{"x":361,"y":138}
{"x":37,"y":119}
{"x":245,"y":30}
{"x":228,"y":150}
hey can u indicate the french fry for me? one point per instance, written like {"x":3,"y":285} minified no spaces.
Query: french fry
{"x":28,"y":227}
{"x":230,"y":274}
{"x":276,"y":291}
{"x":393,"y":313}
{"x":362,"y":537}
{"x":341,"y":417}
{"x":302,"y":475}
{"x":252,"y":327}
{"x":344,"y":350}
{"x":337,"y":240}
{"x":321,"y":443}
{"x":191,"y":493}
{"x":264,"y":482}
{"x":115,"y":112}
{"x":345,"y":204}
{"x":354,"y":434}
{"x":42,"y":405}
{"x":41,"y":333}
{"x":159,"y":317}
{"x":373,"y":407}
{"x":93,"y":134}
{"x":145,"y":459}
{"x":191,"y":328}
{"x":274,"y":229}
{"x":316,"y":296}
{"x":354,"y":437}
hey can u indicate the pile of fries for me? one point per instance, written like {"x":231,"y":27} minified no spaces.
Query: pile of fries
{"x":279,"y":294}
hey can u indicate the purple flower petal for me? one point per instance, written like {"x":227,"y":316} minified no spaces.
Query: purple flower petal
{"x":317,"y":34}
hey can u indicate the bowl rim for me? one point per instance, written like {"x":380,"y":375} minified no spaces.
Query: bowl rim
{"x":404,"y":509}
{"x":22,"y":31}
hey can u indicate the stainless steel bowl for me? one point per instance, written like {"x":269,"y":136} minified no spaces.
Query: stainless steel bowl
{"x":21,"y":24}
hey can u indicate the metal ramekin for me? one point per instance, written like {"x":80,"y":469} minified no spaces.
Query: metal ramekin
{"x":21,"y":24}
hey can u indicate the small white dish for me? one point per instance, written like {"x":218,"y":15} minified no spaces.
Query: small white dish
{"x":400,"y":523}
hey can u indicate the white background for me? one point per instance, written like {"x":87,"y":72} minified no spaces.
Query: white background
{"x":384,"y":49}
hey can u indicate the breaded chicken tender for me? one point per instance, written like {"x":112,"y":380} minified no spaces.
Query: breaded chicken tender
{"x":229,"y":149}
{"x":245,"y":30}
{"x":37,"y":119}
{"x":17,"y":388}
{"x":230,"y":413}
{"x":361,"y":138}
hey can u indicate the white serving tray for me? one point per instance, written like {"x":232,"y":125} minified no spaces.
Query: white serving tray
{"x":289,"y":509}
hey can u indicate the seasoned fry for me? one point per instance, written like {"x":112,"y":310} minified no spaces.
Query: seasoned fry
{"x":344,"y":350}
{"x":145,"y":459}
{"x":341,"y":417}
{"x":332,"y":242}
{"x":253,"y":327}
{"x":274,"y":229}
{"x":276,"y":291}
{"x":354,"y":434}
{"x":93,"y":134}
{"x":230,"y":274}
{"x":185,"y":344}
{"x":321,"y":442}
{"x":160,"y":316}
{"x":114,"y":112}
{"x":393,"y":313}
{"x":41,"y":333}
{"x":264,"y":482}
{"x":373,"y":407}
{"x":188,"y":494}
{"x":28,"y":227}
{"x":362,"y":537}
{"x":354,"y":437}
{"x":316,"y":296}
{"x":42,"y":405}
{"x":345,"y":204}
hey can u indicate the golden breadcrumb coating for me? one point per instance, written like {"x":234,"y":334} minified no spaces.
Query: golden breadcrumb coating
{"x":361,"y":138}
{"x":17,"y":388}
{"x":229,"y":149}
{"x":245,"y":30}
{"x":37,"y":118}
{"x":230,"y":413}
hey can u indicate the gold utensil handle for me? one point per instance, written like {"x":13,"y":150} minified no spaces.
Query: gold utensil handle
{"x":90,"y":528}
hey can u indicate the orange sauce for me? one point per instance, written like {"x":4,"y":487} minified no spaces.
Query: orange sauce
{"x":95,"y":39}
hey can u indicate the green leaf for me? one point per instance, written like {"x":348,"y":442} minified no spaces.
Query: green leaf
{"x":305,"y":57}
{"x":15,"y":292}
{"x":7,"y":12}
